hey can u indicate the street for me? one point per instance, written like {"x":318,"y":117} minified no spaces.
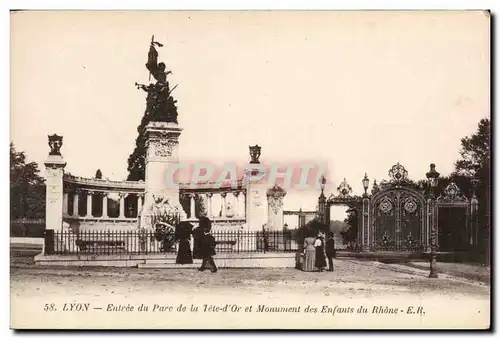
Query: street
{"x":52,"y":296}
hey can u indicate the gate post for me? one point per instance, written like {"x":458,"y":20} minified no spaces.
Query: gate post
{"x":48,"y":244}
{"x":474,"y":219}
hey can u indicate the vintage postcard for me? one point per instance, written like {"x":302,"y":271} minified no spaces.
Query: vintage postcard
{"x":250,"y":170}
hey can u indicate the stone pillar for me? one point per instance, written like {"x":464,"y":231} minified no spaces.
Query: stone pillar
{"x":209,"y":205}
{"x":255,"y":206}
{"x":75,"y":203}
{"x":54,"y":166}
{"x":428,"y":222}
{"x":302,"y":218}
{"x":243,"y":203}
{"x":322,"y":208}
{"x":474,"y":203}
{"x":89,"y":204}
{"x":105,"y":205}
{"x":122,"y":205}
{"x":237,"y":211}
{"x":162,"y":158}
{"x":275,"y":197}
{"x":192,"y":206}
{"x":65,"y":203}
{"x":139,"y":203}
{"x":223,"y":202}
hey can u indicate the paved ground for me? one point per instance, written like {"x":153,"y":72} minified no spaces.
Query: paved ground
{"x":361,"y":281}
{"x":350,"y":277}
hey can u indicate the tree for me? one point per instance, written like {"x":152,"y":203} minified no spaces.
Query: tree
{"x":313,"y":227}
{"x":27,"y":188}
{"x":337,"y":226}
{"x":475,"y":152}
{"x":475,"y":164}
{"x":350,"y":232}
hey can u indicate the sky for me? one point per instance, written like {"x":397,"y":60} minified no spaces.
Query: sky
{"x":360,"y":91}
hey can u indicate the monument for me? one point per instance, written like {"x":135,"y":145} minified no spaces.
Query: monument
{"x":256,"y":200}
{"x":54,"y":165}
{"x":162,"y":143}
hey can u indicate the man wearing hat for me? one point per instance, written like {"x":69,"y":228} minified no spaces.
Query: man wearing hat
{"x":208,"y":244}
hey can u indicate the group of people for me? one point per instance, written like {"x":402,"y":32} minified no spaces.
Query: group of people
{"x":324,"y":249}
{"x":204,"y":244}
{"x":204,"y":247}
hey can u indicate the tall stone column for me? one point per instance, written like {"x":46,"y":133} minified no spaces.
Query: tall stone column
{"x":54,"y":166}
{"x":89,"y":204}
{"x":192,"y":206}
{"x":209,"y":205}
{"x":275,"y":197}
{"x":105,"y":205}
{"x":162,"y":160}
{"x":139,"y":203}
{"x":65,"y":203}
{"x":223,"y":203}
{"x":76,"y":200}
{"x":241,"y":199}
{"x":237,"y":211}
{"x":122,"y":205}
{"x":255,"y":205}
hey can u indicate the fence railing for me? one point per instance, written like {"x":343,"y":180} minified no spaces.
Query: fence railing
{"x":150,"y":242}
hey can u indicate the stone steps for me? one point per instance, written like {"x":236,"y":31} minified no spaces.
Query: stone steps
{"x":227,"y":261}
{"x":167,"y":264}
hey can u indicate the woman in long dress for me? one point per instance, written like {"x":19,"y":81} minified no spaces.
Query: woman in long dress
{"x":183,"y":234}
{"x":319,"y":245}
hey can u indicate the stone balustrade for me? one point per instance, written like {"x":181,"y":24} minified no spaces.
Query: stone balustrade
{"x":96,"y":202}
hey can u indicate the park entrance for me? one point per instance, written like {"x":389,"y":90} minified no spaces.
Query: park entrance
{"x":399,"y":214}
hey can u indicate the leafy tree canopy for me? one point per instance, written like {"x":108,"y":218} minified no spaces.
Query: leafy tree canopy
{"x":27,"y":189}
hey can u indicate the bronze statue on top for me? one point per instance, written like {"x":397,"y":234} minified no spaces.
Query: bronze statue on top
{"x":55,"y":144}
{"x":160,"y":105}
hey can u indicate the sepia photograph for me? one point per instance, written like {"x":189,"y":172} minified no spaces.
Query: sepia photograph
{"x":235,"y":170}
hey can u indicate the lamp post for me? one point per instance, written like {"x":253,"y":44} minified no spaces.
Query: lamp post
{"x":432,"y":178}
{"x":366,"y":183}
{"x":363,"y":234}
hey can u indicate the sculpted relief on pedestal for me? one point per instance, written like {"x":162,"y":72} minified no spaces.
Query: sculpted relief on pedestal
{"x":161,"y":148}
{"x":275,"y":197}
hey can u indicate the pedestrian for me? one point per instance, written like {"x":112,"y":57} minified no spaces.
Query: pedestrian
{"x":319,"y":245}
{"x":208,"y":251}
{"x":183,"y":235}
{"x":330,"y":250}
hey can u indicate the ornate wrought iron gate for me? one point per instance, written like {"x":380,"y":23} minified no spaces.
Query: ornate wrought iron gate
{"x":398,"y":214}
{"x":398,"y":222}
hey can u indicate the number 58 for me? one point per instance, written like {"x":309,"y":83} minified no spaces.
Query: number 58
{"x":49,"y":307}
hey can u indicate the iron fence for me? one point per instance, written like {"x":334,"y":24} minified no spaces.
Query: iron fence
{"x":149,"y":242}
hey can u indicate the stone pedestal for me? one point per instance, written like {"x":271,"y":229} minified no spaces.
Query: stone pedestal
{"x":54,"y":167}
{"x":162,"y":160}
{"x":256,"y":205}
{"x":275,"y":197}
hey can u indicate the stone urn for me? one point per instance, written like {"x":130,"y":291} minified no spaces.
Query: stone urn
{"x":309,"y":255}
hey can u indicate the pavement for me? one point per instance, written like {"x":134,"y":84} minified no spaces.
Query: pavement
{"x":353,"y":282}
